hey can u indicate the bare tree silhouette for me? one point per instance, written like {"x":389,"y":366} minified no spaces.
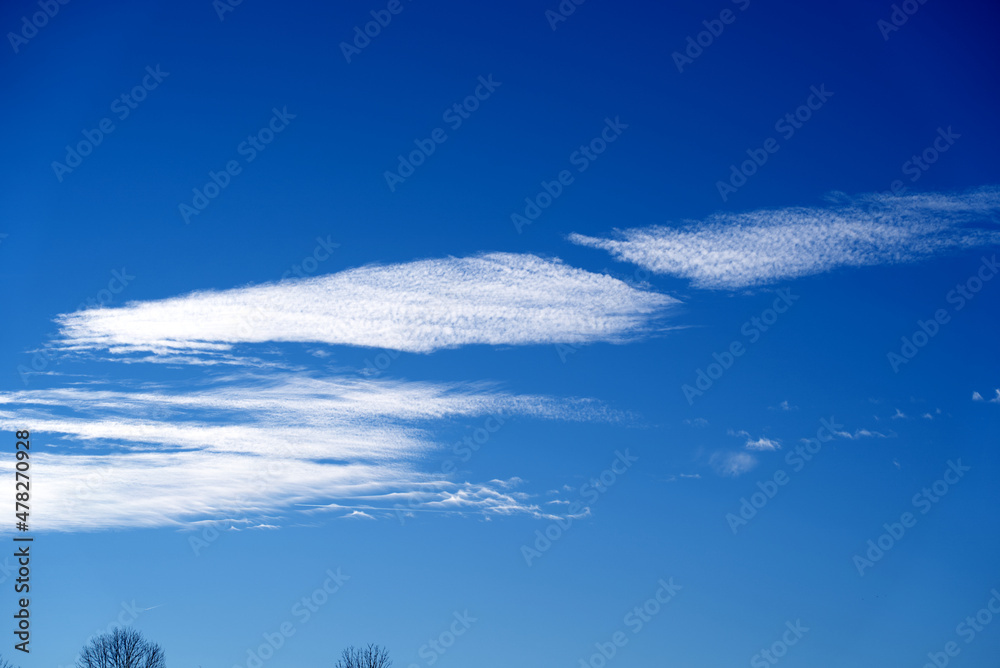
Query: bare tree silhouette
{"x":121,"y":648}
{"x":372,"y":656}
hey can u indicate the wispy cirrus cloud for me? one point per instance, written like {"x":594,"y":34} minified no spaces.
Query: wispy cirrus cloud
{"x":860,"y":433}
{"x":252,"y":450}
{"x":422,"y":306}
{"x":263,"y":441}
{"x":684,"y":476}
{"x":741,"y":250}
{"x":732,"y":464}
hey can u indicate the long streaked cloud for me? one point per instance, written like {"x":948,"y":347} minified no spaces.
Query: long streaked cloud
{"x":741,"y":250}
{"x":251,"y":451}
{"x":859,"y":433}
{"x":497,"y":299}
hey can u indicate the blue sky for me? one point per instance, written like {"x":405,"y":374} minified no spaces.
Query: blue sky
{"x":547,"y":394}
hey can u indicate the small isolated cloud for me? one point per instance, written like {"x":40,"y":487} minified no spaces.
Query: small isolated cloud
{"x":742,"y":250}
{"x":758,"y":444}
{"x":976,"y":396}
{"x":684,"y":476}
{"x":697,"y":422}
{"x":785,"y":406}
{"x":899,"y":415}
{"x":732,"y":464}
{"x":357,"y":515}
{"x":423,"y":306}
{"x":762,"y":444}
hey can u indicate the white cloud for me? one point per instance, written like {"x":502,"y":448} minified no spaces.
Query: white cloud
{"x":858,"y":433}
{"x":496,"y":299}
{"x":739,"y":250}
{"x":258,"y":448}
{"x":441,"y":496}
{"x":976,"y":396}
{"x":758,"y":444}
{"x":733,"y":464}
{"x":762,"y":444}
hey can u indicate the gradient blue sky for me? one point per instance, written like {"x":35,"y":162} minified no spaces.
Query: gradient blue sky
{"x":616,"y":387}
